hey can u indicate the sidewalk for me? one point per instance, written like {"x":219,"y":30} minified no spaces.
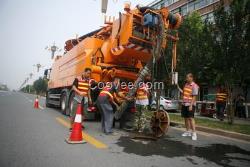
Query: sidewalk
{"x":221,"y":130}
{"x":241,"y":121}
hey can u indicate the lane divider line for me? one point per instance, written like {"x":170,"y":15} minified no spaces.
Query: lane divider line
{"x":40,"y":107}
{"x":91,"y":140}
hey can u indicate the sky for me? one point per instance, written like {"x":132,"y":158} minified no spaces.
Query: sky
{"x":28,"y":26}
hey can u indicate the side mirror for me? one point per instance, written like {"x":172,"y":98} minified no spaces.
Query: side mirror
{"x":46,"y":72}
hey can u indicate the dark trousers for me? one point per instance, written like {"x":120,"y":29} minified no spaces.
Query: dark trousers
{"x":241,"y":111}
{"x":220,"y":107}
{"x":107,"y":114}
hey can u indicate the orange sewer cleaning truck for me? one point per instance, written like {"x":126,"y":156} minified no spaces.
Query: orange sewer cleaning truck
{"x":121,"y":48}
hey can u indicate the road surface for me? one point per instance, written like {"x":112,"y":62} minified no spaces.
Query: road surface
{"x":36,"y":138}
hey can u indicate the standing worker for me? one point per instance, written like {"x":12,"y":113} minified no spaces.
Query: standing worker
{"x":104,"y":103}
{"x":81,"y":87}
{"x":190,"y":92}
{"x":239,"y":106}
{"x":221,"y":101}
{"x":142,"y":102}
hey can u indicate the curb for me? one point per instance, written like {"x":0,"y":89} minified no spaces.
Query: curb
{"x":219,"y":132}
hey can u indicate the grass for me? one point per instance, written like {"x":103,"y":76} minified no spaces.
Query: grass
{"x":239,"y":128}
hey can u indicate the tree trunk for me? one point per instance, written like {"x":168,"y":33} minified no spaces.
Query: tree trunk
{"x":230,"y":108}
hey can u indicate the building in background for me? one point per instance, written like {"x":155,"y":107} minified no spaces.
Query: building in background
{"x":3,"y":87}
{"x":184,"y":7}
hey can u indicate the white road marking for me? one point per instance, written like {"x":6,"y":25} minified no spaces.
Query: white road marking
{"x":41,"y":107}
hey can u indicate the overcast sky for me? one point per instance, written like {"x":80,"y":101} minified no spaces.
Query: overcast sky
{"x":28,"y":26}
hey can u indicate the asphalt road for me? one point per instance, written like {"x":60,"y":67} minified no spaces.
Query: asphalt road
{"x":36,"y":137}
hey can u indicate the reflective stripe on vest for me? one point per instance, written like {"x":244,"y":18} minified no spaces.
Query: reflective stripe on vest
{"x":221,"y":97}
{"x":83,"y":85}
{"x":141,"y":93}
{"x":104,"y":92}
{"x":124,"y":91}
{"x":187,"y":93}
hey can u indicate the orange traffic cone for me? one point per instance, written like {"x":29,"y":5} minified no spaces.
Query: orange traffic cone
{"x":36,"y":103}
{"x":76,"y":134}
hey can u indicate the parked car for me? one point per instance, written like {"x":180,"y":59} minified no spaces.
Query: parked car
{"x":167,"y":104}
{"x":207,"y":108}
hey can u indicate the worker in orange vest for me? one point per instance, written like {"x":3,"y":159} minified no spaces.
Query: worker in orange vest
{"x":142,"y":102}
{"x":190,"y":92}
{"x":81,"y":87}
{"x":104,"y":103}
{"x":221,"y":101}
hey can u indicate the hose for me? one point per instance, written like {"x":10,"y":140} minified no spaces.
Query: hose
{"x":147,"y":68}
{"x":119,"y":29}
{"x":143,"y":9}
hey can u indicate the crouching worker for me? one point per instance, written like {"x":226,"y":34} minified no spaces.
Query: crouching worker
{"x":104,"y":103}
{"x":126,"y":119}
{"x":81,"y":87}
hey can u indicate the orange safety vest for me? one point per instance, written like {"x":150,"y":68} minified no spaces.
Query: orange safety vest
{"x":124,"y":90}
{"x":106,"y":91}
{"x":187,"y":92}
{"x":221,"y":97}
{"x":142,"y":93}
{"x":83,"y":85}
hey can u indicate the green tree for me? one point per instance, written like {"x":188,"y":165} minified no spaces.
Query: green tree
{"x":28,"y":89}
{"x":194,"y":48}
{"x":40,"y":85}
{"x":231,"y":47}
{"x":194,"y":51}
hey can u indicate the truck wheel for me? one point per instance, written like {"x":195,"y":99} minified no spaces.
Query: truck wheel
{"x":71,"y":102}
{"x":48,"y":105}
{"x":63,"y":103}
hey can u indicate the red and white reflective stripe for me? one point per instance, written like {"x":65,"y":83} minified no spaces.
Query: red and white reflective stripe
{"x":146,"y":50}
{"x":139,"y":48}
{"x":118,"y":48}
{"x":78,"y":118}
{"x":131,"y":46}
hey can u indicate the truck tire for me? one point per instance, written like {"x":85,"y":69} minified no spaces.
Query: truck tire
{"x":63,"y":102}
{"x":71,"y":102}
{"x":48,"y":105}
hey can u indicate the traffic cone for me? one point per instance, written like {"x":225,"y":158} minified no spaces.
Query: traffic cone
{"x":76,"y":134}
{"x":36,"y":103}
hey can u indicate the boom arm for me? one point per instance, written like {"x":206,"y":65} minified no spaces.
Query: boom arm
{"x":161,"y":20}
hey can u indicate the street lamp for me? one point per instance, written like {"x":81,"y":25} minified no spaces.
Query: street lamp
{"x":53,"y":49}
{"x":104,"y":5}
{"x":30,"y":75}
{"x":38,"y":66}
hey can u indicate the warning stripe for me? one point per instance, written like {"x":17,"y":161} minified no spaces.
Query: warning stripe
{"x":131,"y":46}
{"x":78,"y":118}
